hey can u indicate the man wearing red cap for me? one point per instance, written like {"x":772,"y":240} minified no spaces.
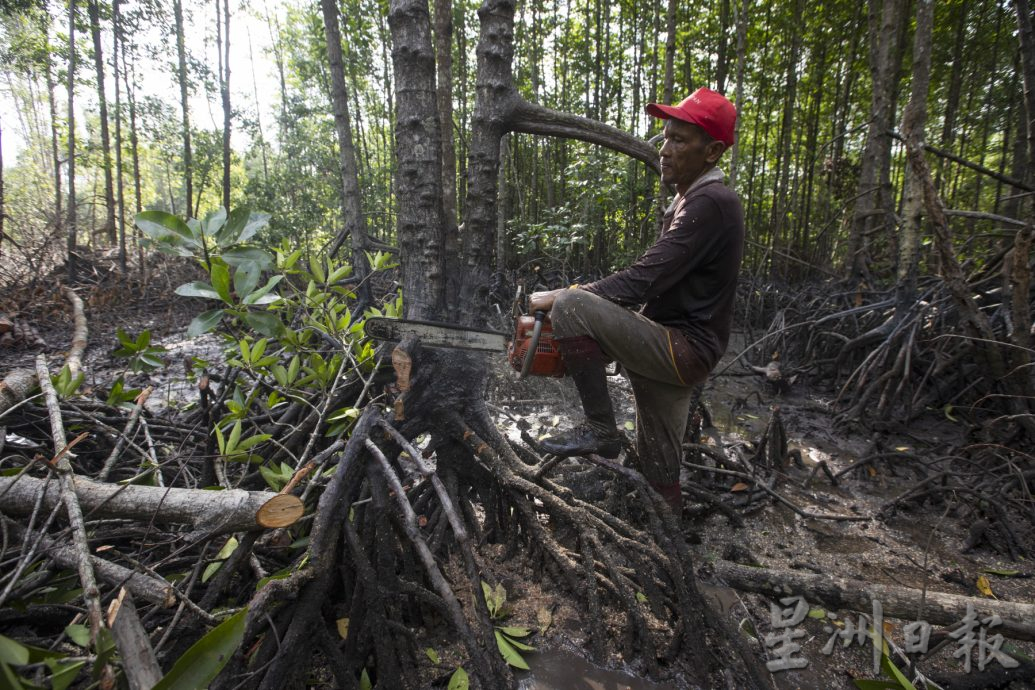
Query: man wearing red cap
{"x":684,"y":286}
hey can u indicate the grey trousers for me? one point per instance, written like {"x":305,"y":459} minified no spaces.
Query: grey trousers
{"x":645,"y":350}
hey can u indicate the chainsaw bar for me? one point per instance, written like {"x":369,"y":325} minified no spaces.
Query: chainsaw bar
{"x":435,"y":334}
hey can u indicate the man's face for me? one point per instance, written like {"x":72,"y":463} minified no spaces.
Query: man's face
{"x":687,"y":152}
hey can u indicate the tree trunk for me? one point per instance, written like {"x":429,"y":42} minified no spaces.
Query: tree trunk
{"x":181,"y":77}
{"x":419,"y":160}
{"x":742,"y":22}
{"x":55,"y":151}
{"x":355,"y":227}
{"x":916,"y":113}
{"x":116,"y":31}
{"x":223,"y":44}
{"x":873,"y":205}
{"x":444,"y":91}
{"x":98,"y":62}
{"x":72,"y":222}
{"x":670,"y":52}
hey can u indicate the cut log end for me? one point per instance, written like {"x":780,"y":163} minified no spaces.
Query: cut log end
{"x":283,"y":510}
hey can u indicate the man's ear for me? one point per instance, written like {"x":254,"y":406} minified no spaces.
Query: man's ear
{"x":714,"y":151}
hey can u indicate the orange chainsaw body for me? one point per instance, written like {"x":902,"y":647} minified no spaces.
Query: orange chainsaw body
{"x":547,"y":359}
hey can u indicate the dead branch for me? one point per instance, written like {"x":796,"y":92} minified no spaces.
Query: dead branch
{"x":215,"y":512}
{"x":904,"y":603}
{"x":142,"y":586}
{"x":74,"y":361}
{"x":138,"y":658}
{"x":71,"y":501}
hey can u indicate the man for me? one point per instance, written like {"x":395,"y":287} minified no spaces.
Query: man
{"x":685,"y":285}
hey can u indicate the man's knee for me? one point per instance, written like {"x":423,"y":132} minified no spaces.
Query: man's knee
{"x":568,"y":313}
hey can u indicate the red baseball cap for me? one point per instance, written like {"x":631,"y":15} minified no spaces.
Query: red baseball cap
{"x":709,"y":110}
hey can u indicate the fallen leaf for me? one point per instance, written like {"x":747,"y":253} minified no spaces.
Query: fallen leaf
{"x":422,"y":520}
{"x":544,"y":618}
{"x":902,"y":449}
{"x":343,"y":627}
{"x":871,"y":470}
{"x":739,"y":486}
{"x":984,"y":587}
{"x":889,"y":628}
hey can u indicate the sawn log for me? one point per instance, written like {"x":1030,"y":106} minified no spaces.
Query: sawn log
{"x":210,"y":511}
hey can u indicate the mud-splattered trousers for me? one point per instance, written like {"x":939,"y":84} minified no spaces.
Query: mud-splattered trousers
{"x":686,"y":283}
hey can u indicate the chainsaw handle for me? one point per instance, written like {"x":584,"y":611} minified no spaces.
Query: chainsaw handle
{"x":533,"y":343}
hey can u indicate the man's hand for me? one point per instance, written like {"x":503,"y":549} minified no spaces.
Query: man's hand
{"x":542,"y":301}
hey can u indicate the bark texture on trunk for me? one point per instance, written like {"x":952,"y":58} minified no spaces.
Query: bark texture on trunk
{"x":181,"y":77}
{"x":873,"y":205}
{"x":102,"y":100}
{"x":915,"y":112}
{"x":352,"y":214}
{"x":418,"y":153}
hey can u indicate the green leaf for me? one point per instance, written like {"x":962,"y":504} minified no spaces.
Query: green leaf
{"x":204,"y":322}
{"x":459,"y":680}
{"x":246,"y":277}
{"x":224,"y":553}
{"x":206,"y":658}
{"x":510,"y":655}
{"x":63,"y":673}
{"x":264,"y":323}
{"x":817,"y":613}
{"x":215,"y":222}
{"x":866,"y":684}
{"x":364,"y":681}
{"x":197,"y":289}
{"x":316,"y":268}
{"x":159,"y":224}
{"x":259,"y":296}
{"x":521,"y":646}
{"x":221,"y":280}
{"x":79,"y":634}
{"x":891,"y":670}
{"x":235,"y":222}
{"x":251,"y":441}
{"x":234,"y":438}
{"x":514,"y":632}
{"x":13,"y":652}
{"x":433,"y":655}
{"x":641,"y":597}
{"x":256,"y":221}
{"x":11,"y":680}
{"x":239,"y":256}
{"x":1004,"y":573}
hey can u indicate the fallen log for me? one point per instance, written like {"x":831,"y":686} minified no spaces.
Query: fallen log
{"x":214,"y":512}
{"x":897,"y":602}
{"x":16,"y":387}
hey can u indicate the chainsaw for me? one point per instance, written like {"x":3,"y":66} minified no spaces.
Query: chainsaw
{"x":530,"y":349}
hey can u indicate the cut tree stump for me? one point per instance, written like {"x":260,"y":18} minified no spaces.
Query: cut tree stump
{"x":216,"y":512}
{"x":897,"y":602}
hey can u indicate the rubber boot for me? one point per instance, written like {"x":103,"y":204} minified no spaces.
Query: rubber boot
{"x":673,"y":495}
{"x":598,"y":434}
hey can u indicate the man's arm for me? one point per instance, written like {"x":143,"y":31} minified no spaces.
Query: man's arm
{"x":692,"y":238}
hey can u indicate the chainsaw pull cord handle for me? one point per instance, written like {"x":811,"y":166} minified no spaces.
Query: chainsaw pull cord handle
{"x":533,"y":344}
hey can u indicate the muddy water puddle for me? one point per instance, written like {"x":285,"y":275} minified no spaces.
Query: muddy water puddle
{"x":560,"y":669}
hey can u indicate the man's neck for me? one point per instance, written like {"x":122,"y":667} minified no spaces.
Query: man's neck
{"x":710,"y":175}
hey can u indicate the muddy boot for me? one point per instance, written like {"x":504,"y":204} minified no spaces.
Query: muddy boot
{"x":673,"y":495}
{"x":598,"y":434}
